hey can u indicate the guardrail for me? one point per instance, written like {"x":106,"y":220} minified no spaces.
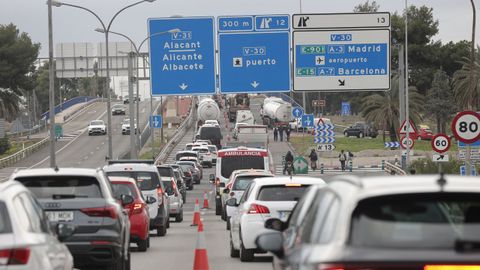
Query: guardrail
{"x":394,"y":169}
{"x":188,"y":123}
{"x":12,"y":159}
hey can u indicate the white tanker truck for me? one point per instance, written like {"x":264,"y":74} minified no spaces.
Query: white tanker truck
{"x":276,"y":111}
{"x":208,"y":110}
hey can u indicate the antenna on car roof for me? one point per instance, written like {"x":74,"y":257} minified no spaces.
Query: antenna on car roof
{"x":56,"y":168}
{"x":442,"y":181}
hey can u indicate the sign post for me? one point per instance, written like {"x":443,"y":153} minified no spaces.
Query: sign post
{"x":254,"y":53}
{"x":466,"y":129}
{"x":182,"y":63}
{"x":332,"y":53}
{"x":440,"y":144}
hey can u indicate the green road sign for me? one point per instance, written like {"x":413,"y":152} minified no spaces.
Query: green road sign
{"x":301,"y":165}
{"x":58,"y":130}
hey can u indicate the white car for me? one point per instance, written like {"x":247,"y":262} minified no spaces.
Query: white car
{"x":213,"y":150}
{"x":126,"y":126}
{"x":26,"y":242}
{"x":263,"y":199}
{"x":97,"y":127}
{"x":205,"y":155}
{"x":212,"y":122}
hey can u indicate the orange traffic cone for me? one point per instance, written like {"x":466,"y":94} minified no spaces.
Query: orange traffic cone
{"x":196,"y":214}
{"x":201,"y":257}
{"x":205,"y":201}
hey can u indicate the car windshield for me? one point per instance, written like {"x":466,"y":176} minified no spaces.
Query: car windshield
{"x":5,"y":226}
{"x":416,"y":221}
{"x":123,"y":189}
{"x":96,"y":123}
{"x":62,"y":187}
{"x":242,"y":182}
{"x":281,"y":192}
{"x":165,"y":171}
{"x":232,"y":163}
{"x":145,"y":180}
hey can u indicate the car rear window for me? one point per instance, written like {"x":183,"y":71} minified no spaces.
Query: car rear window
{"x":5,"y":226}
{"x":212,"y":148}
{"x":64,"y":187}
{"x":416,"y":221}
{"x":123,"y":189}
{"x":187,"y":154}
{"x":210,"y":133}
{"x":232,"y":163}
{"x":187,"y":167}
{"x":242,"y":182}
{"x":165,"y":172}
{"x":145,"y":180}
{"x":168,"y":187}
{"x":281,"y":192}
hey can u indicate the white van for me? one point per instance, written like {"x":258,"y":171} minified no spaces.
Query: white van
{"x":251,"y":134}
{"x":231,"y":159}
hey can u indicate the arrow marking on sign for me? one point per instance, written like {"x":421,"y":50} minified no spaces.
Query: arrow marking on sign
{"x":183,"y":86}
{"x":255,"y":84}
{"x":440,"y":157}
{"x":341,"y":82}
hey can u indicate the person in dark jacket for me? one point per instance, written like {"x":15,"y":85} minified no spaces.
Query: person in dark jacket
{"x":280,"y":132}
{"x":275,"y":134}
{"x":288,"y":158}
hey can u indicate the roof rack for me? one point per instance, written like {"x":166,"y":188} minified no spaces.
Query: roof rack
{"x":124,"y":161}
{"x":354,"y":180}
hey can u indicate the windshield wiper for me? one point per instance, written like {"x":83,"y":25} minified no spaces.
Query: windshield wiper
{"x":68,"y":196}
{"x":467,"y":246}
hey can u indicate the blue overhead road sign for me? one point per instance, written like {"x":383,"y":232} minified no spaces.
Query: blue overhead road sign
{"x":156,"y":121}
{"x":182,"y":63}
{"x":297,"y":112}
{"x":254,"y":53}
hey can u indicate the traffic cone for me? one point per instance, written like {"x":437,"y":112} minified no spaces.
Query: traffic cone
{"x":196,"y":214}
{"x":201,"y":257}
{"x":205,"y":201}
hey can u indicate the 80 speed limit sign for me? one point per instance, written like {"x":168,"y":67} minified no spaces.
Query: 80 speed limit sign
{"x":466,"y":127}
{"x":440,"y":143}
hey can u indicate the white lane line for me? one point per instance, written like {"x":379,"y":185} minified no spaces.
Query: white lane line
{"x":61,"y":149}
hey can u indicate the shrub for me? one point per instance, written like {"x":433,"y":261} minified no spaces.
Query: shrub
{"x":4,"y":145}
{"x":427,"y":166}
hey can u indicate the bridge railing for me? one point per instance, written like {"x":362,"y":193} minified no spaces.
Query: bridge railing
{"x":16,"y":157}
{"x":391,"y":168}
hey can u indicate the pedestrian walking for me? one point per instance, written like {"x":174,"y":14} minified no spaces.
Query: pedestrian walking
{"x":280,"y":132}
{"x":342,"y":157}
{"x":287,"y":131}
{"x":350,"y":160}
{"x":275,"y":134}
{"x":313,"y":159}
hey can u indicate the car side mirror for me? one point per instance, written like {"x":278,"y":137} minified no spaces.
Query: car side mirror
{"x":212,"y":177}
{"x":275,"y":224}
{"x":221,"y":184}
{"x":126,"y":199}
{"x":272,"y":242}
{"x":226,"y":191}
{"x":232,"y":202}
{"x":64,"y":230}
{"x":150,"y":200}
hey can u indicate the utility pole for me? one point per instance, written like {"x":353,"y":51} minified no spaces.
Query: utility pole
{"x":401,"y":82}
{"x":407,"y":109}
{"x":473,"y":106}
{"x":131,"y":107}
{"x":51,"y":86}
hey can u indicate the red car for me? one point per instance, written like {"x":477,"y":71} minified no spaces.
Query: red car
{"x":424,"y":133}
{"x":137,"y":210}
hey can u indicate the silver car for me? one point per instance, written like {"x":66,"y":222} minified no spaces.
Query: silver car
{"x":175,"y":198}
{"x":26,"y":238}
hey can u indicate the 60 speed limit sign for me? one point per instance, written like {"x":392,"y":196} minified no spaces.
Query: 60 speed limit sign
{"x":440,"y":143}
{"x":466,"y":127}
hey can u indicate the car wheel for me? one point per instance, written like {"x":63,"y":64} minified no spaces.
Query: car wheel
{"x":148,"y":240}
{"x":228,"y":224}
{"x":179,"y":217}
{"x":224,"y":214}
{"x":161,"y":231}
{"x":126,"y":264}
{"x":360,"y":135}
{"x":234,"y":253}
{"x":345,"y":134}
{"x":246,"y":255}
{"x":218,"y":207}
{"x":142,"y":245}
{"x":168,"y":223}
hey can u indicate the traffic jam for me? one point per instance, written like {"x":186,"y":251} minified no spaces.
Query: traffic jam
{"x":248,"y":178}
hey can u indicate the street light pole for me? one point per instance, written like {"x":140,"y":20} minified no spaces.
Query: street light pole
{"x":407,"y":103}
{"x":51,"y":86}
{"x":106,"y":31}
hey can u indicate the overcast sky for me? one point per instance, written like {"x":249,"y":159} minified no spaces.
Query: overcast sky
{"x":74,"y":25}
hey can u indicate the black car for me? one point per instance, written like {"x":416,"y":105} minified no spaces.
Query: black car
{"x":168,"y":171}
{"x":185,"y":175}
{"x":83,"y":198}
{"x":361,"y":130}
{"x":212,"y":133}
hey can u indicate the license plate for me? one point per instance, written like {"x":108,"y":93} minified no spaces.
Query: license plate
{"x":283,"y":215}
{"x":57,"y":216}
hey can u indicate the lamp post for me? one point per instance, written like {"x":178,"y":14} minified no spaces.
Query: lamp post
{"x":51,"y":86}
{"x":106,"y":31}
{"x":137,"y":50}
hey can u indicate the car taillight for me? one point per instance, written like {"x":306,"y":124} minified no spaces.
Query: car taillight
{"x":188,"y":173}
{"x":258,"y":209}
{"x":15,"y":256}
{"x":160,"y":195}
{"x":137,"y":208}
{"x":217,"y":181}
{"x":108,"y":211}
